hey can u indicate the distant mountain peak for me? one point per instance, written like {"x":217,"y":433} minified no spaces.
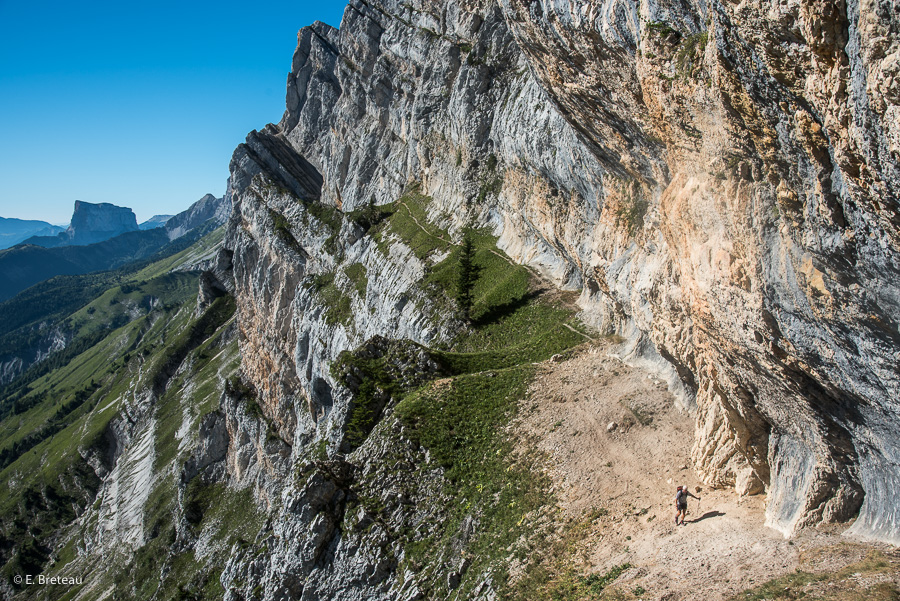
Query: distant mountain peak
{"x":91,"y":223}
{"x":13,"y":231}
{"x":94,"y":222}
{"x":208,"y":207}
{"x":155,"y":221}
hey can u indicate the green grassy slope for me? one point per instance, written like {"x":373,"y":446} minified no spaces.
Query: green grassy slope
{"x":27,"y":319}
{"x":126,"y":342}
{"x":219,"y":516}
{"x":462,"y":419}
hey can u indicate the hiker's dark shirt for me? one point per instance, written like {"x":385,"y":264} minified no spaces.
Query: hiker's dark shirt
{"x":681,"y":498}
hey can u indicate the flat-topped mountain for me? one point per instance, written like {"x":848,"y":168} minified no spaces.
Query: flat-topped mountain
{"x":97,"y":222}
{"x":91,"y":223}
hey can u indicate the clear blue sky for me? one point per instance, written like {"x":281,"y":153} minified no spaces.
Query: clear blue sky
{"x":136,"y":103}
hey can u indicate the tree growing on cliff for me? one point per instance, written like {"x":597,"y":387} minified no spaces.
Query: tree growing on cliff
{"x":468,"y":274}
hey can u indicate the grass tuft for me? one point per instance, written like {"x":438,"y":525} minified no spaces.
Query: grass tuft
{"x":337,"y":305}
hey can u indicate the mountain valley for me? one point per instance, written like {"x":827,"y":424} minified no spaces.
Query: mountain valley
{"x":503,"y":275}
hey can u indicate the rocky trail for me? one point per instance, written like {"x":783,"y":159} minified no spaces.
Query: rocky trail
{"x":616,"y":446}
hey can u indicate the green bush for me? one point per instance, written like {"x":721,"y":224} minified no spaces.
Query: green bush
{"x":356,"y":273}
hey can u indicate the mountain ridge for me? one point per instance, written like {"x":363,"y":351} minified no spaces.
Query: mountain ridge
{"x":27,"y":264}
{"x":13,"y":231}
{"x":90,"y":223}
{"x":683,"y":220}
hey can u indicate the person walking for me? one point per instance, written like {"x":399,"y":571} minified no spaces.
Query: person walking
{"x":681,"y":496}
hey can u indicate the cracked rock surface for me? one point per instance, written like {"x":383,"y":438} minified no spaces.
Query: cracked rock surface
{"x":718,"y":179}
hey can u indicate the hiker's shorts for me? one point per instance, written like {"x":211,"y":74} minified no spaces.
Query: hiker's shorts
{"x":681,"y":506}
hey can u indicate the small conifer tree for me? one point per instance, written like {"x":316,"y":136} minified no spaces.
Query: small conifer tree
{"x":468,"y":275}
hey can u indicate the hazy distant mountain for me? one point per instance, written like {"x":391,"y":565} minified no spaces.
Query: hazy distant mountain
{"x":38,"y":259}
{"x":91,"y":223}
{"x":27,"y":264}
{"x":13,"y":231}
{"x":154,"y":222}
{"x":208,"y":207}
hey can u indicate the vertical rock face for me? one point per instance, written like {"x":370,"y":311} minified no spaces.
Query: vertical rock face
{"x":97,"y":222}
{"x":720,"y":179}
{"x":288,"y":255}
{"x":775,"y":210}
{"x":208,"y":207}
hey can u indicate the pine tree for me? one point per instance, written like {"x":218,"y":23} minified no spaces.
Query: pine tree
{"x":468,"y":275}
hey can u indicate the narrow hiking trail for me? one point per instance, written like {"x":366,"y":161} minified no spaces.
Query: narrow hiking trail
{"x":545,"y":283}
{"x":616,"y":446}
{"x":423,"y":228}
{"x":539,"y":282}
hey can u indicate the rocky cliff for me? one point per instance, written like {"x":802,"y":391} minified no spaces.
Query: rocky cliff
{"x":97,"y":222}
{"x":719,"y":180}
{"x":712,"y":186}
{"x":207,"y":208}
{"x":91,"y":223}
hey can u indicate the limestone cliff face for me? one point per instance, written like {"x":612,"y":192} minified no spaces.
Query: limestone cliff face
{"x":97,"y":222}
{"x":720,"y":179}
{"x":762,"y":139}
{"x":207,"y":208}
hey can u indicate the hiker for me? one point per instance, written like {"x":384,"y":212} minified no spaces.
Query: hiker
{"x":681,"y":496}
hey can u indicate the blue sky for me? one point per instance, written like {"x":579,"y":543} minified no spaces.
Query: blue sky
{"x":136,"y":103}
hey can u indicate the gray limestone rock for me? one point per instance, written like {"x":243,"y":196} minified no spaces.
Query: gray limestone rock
{"x":207,"y":208}
{"x":719,"y":180}
{"x":97,"y":222}
{"x":636,"y":152}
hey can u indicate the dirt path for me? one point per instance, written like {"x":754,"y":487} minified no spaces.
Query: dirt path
{"x":539,"y":281}
{"x":617,"y":447}
{"x":565,"y":325}
{"x":424,"y":229}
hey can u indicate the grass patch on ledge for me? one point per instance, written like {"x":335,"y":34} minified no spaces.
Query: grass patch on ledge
{"x":407,"y":218}
{"x":852,"y":583}
{"x":283,"y":230}
{"x":511,"y":324}
{"x":461,"y":423}
{"x":554,"y":338}
{"x":338,"y":308}
{"x":356,"y":273}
